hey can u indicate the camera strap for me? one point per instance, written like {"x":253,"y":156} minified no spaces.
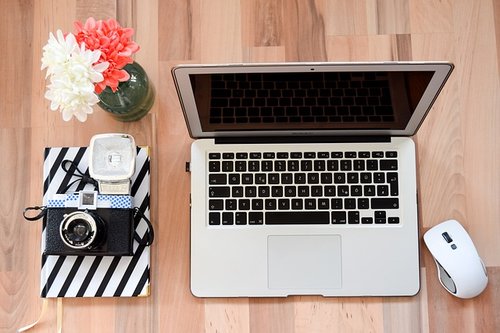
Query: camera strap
{"x":150,"y":235}
{"x":82,"y":177}
{"x":28,"y":215}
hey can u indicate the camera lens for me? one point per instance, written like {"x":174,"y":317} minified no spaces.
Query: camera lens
{"x":78,"y":231}
{"x":81,"y":230}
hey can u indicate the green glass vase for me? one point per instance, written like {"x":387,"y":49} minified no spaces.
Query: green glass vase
{"x":133,"y":99}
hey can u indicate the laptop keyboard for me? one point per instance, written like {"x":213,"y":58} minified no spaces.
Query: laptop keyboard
{"x":300,"y":97}
{"x":275,"y":188}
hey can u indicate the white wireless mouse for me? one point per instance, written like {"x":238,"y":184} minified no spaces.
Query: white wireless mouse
{"x":460,"y":269}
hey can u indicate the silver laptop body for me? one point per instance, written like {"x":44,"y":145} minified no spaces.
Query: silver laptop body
{"x":341,"y":131}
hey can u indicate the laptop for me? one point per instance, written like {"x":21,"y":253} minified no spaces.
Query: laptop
{"x":303,"y":176}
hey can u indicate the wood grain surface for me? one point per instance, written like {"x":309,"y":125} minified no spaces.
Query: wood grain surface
{"x":457,"y":151}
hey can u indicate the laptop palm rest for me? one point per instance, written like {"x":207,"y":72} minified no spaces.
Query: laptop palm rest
{"x":304,"y":262}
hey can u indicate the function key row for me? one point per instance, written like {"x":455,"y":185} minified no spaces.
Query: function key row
{"x":295,"y":155}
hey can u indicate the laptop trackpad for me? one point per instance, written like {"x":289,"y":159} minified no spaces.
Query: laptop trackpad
{"x":304,"y":262}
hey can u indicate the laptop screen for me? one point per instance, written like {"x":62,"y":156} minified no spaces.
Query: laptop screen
{"x":303,"y":99}
{"x":310,"y":100}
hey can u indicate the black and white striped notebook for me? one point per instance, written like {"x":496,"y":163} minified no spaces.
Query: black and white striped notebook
{"x":94,"y":276}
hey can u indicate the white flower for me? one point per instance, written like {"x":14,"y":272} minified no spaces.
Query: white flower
{"x":72,"y":76}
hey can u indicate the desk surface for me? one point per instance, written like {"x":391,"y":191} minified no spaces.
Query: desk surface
{"x":457,"y":148}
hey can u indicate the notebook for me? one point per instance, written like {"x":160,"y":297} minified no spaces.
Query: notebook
{"x":95,"y":276}
{"x":303,"y":176}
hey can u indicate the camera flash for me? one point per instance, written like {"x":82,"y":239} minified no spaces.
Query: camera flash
{"x":112,"y":162}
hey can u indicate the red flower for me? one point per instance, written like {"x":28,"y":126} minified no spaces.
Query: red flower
{"x":115,"y":45}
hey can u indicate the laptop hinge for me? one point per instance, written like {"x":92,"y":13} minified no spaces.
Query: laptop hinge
{"x":301,"y":139}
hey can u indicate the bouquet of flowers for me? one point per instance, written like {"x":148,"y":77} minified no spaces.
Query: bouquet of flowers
{"x":81,"y":64}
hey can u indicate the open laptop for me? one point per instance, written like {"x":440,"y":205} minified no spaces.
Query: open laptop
{"x":303,"y":176}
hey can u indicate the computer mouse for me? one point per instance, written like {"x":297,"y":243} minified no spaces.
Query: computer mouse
{"x":460,"y":269}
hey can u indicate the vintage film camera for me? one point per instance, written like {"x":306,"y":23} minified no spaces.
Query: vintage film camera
{"x":96,"y":223}
{"x":88,"y":223}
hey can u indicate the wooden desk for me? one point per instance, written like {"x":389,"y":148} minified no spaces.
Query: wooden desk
{"x":458,"y":152}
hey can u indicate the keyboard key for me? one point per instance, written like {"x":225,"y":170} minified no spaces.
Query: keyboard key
{"x":389,"y":165}
{"x":244,"y":204}
{"x":392,"y":179}
{"x":282,"y":155}
{"x":337,"y":204}
{"x":350,"y":203}
{"x":378,"y":177}
{"x":227,"y":218}
{"x":377,"y":154}
{"x":329,"y":191}
{"x":227,"y":156}
{"x":359,"y":165}
{"x":240,"y":218}
{"x":286,"y":178}
{"x":275,"y":218}
{"x":260,"y":178}
{"x":255,"y":155}
{"x":257,"y":204}
{"x":270,"y":204}
{"x":393,"y":220}
{"x":215,"y":204}
{"x":297,"y":204}
{"x":217,"y":179}
{"x":250,"y":191}
{"x":227,"y":166}
{"x":343,"y":191}
{"x":231,"y":204}
{"x":300,"y":178}
{"x":391,"y":154}
{"x":371,"y":165}
{"x":363,"y":203}
{"x":267,"y":166}
{"x":240,"y":166}
{"x":247,"y":178}
{"x":219,"y":191}
{"x":337,"y":154}
{"x":310,"y":204}
{"x":253,"y":166}
{"x":384,"y":203}
{"x":255,"y":218}
{"x":214,"y":166}
{"x":214,"y":218}
{"x":350,"y":154}
{"x":346,"y":165}
{"x":279,"y":165}
{"x":214,"y":156}
{"x":364,"y":154}
{"x":339,"y":218}
{"x":264,"y":191}
{"x":241,"y":156}
{"x":382,"y":190}
{"x":306,"y":165}
{"x":313,"y":178}
{"x":367,"y":220}
{"x":234,"y":179}
{"x":353,"y":217}
{"x":339,"y":178}
{"x":323,"y":155}
{"x":237,"y":191}
{"x":319,"y":165}
{"x":323,"y":204}
{"x":293,"y":165}
{"x":309,"y":155}
{"x":332,"y":165}
{"x":269,"y":155}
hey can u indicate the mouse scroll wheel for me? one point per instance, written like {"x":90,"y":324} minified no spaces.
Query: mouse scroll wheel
{"x":447,"y":237}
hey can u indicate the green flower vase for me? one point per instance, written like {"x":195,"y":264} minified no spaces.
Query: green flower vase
{"x":133,"y":99}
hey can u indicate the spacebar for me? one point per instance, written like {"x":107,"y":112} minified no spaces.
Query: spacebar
{"x":297,"y":218}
